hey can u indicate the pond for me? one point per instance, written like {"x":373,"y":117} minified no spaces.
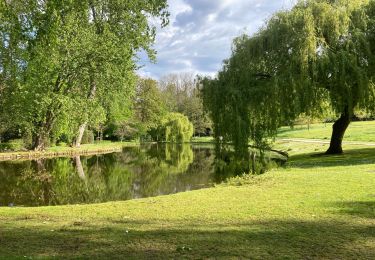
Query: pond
{"x":136,"y":172}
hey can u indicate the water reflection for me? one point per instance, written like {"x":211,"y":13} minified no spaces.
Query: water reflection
{"x":137,"y":172}
{"x":228,"y":163}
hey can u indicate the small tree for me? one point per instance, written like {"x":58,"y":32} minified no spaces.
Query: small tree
{"x":175,"y":128}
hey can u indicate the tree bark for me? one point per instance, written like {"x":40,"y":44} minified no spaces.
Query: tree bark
{"x":338,"y":131}
{"x":39,"y":143}
{"x":82,"y":127}
{"x":41,"y":139}
{"x":81,"y":131}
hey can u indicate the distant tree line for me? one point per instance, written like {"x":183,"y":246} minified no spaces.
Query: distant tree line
{"x":170,"y":109}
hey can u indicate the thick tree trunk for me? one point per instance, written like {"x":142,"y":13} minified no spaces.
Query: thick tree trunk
{"x":41,"y":140}
{"x":81,"y":131}
{"x":338,"y":131}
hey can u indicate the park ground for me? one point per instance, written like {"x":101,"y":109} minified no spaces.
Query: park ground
{"x":316,"y":207}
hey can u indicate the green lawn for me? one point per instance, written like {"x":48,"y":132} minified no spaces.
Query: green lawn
{"x":203,"y":139}
{"x":317,"y":207}
{"x":357,"y":131}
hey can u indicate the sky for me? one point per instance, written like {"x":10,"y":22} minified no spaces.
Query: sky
{"x":200,"y":34}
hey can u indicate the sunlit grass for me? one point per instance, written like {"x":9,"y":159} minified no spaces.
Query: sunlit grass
{"x":357,"y":131}
{"x":202,"y":139}
{"x":315,"y":207}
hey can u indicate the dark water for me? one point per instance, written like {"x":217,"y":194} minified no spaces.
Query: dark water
{"x":136,"y":172}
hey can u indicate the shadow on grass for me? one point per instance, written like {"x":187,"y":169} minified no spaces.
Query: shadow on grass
{"x":363,"y":209}
{"x":349,"y":157}
{"x":259,"y":240}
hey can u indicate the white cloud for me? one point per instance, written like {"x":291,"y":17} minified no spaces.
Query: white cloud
{"x":201,"y":32}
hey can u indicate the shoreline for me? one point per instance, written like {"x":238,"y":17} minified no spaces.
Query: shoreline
{"x":55,"y":152}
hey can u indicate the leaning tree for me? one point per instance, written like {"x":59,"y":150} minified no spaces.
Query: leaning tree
{"x":319,"y":50}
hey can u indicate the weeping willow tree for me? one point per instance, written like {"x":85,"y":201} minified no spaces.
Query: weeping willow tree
{"x":175,"y":128}
{"x":317,"y":52}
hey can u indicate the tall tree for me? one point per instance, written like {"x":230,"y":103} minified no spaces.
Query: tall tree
{"x":149,"y":107}
{"x":73,"y":55}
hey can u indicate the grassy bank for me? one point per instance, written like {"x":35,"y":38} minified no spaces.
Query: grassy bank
{"x":357,"y":131}
{"x":202,"y":139}
{"x":56,"y":151}
{"x":316,"y":207}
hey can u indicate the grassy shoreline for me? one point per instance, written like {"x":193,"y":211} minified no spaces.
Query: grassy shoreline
{"x":66,"y":151}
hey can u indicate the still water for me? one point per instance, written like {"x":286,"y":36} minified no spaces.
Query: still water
{"x":136,"y":172}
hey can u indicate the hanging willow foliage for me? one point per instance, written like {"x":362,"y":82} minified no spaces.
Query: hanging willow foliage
{"x":317,"y":52}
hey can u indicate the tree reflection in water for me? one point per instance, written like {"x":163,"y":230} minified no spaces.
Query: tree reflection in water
{"x":136,"y":172}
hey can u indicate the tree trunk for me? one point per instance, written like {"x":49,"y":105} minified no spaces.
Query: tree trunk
{"x":253,"y":162}
{"x":82,"y":127}
{"x":338,"y":131}
{"x":40,"y":141}
{"x":81,"y":131}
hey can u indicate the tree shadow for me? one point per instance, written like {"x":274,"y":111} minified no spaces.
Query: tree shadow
{"x":363,"y":209}
{"x":348,"y":158}
{"x":250,"y":240}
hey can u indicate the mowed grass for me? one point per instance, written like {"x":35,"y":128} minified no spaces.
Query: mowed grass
{"x":202,"y":139}
{"x":357,"y":131}
{"x":317,"y":207}
{"x":102,"y":145}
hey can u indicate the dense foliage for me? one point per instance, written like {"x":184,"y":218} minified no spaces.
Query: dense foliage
{"x":153,"y":100}
{"x":175,"y":128}
{"x":181,"y":94}
{"x":65,"y":65}
{"x":317,"y":53}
